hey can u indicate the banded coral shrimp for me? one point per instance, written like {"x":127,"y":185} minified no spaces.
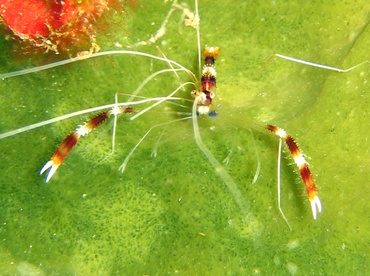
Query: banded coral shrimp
{"x":169,"y":223}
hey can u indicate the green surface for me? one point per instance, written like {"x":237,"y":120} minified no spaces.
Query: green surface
{"x":91,"y":219}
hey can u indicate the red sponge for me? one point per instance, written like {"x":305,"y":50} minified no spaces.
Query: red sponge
{"x":56,"y":25}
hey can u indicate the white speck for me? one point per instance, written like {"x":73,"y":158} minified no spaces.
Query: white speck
{"x":293,"y":244}
{"x":292,"y":268}
{"x":117,"y":45}
{"x":256,"y":271}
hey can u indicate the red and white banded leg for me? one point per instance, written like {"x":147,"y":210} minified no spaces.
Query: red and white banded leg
{"x":303,"y":168}
{"x":71,"y":140}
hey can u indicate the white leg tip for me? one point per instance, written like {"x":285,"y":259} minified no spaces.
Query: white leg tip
{"x":50,"y":164}
{"x":46,"y":166}
{"x":316,"y":206}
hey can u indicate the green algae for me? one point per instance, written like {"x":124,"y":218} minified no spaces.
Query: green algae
{"x":91,"y":219}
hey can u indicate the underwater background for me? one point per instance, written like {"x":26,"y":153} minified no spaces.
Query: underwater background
{"x":169,"y":212}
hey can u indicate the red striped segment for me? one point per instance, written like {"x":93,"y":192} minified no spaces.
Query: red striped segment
{"x":303,"y":168}
{"x":71,"y":140}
